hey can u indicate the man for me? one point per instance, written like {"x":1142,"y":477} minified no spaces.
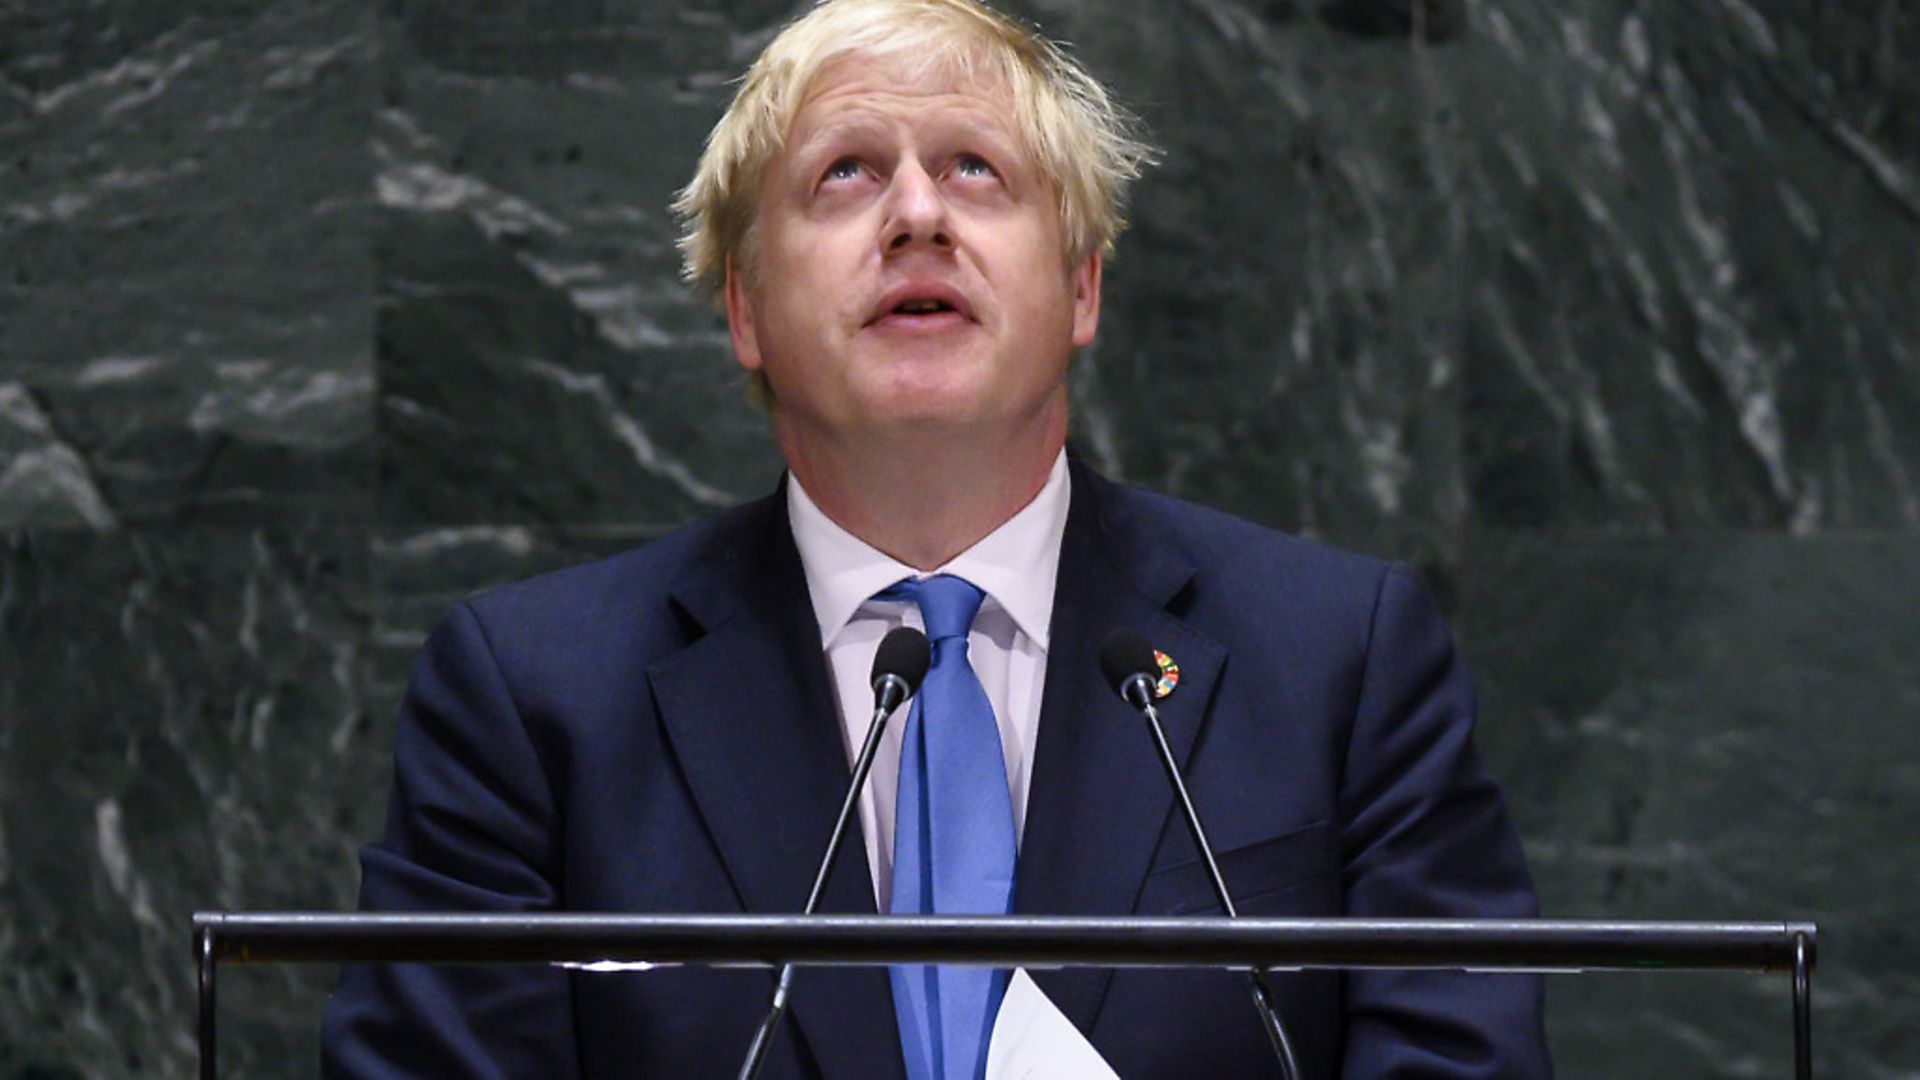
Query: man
{"x":905,"y":213}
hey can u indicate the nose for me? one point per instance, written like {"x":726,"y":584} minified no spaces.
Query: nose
{"x":917,"y":215}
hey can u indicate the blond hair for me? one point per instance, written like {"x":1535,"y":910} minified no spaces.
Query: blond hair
{"x":1087,"y":145}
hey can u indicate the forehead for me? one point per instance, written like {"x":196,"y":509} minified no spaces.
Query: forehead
{"x":858,"y":90}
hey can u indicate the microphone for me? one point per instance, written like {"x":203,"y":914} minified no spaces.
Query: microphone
{"x":1131,"y":668}
{"x":1129,"y":664}
{"x":898,"y":666}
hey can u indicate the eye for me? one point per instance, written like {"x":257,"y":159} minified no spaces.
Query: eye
{"x":845,"y":168}
{"x":972,"y":166}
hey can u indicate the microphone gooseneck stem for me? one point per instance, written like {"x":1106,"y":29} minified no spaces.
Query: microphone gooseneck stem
{"x":1187,"y":811}
{"x":1140,"y":695}
{"x":889,"y":692}
{"x":887,"y":698}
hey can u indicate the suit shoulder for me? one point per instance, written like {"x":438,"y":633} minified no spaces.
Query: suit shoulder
{"x":1277,"y":597}
{"x":619,"y":590}
{"x":1223,"y":545}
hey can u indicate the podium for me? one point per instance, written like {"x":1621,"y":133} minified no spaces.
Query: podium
{"x":1470,"y":945}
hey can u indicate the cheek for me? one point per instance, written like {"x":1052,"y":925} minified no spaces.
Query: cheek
{"x":1035,"y":273}
{"x":1045,"y":297}
{"x":814,"y":277}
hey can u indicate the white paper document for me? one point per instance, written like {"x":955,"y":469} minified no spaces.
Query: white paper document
{"x":1034,"y":1040}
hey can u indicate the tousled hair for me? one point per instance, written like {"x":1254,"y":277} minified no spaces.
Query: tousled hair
{"x":1085,"y":144}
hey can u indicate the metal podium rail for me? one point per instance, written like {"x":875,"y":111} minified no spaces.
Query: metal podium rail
{"x":1475,"y":945}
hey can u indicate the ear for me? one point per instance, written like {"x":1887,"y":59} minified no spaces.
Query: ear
{"x":740,"y":325}
{"x":1086,"y":300}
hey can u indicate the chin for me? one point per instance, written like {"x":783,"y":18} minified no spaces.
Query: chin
{"x":934,"y":391}
{"x":932,"y":416}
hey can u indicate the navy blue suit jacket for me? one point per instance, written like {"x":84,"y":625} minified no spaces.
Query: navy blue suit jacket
{"x":655,"y":733}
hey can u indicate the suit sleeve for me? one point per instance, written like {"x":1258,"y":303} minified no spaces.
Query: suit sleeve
{"x":472,"y":826}
{"x":1425,"y":833}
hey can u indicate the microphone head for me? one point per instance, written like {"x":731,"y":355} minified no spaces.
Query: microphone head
{"x":904,"y":654}
{"x":1126,"y":655}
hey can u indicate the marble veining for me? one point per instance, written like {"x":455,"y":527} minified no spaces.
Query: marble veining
{"x":317,"y":317}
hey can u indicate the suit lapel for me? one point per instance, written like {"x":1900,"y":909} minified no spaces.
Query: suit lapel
{"x":1100,"y":799}
{"x":749,"y":711}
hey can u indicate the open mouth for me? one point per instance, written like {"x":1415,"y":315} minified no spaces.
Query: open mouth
{"x":922,"y":305}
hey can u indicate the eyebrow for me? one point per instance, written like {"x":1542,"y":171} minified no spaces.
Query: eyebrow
{"x":972,"y":126}
{"x":845,"y":128}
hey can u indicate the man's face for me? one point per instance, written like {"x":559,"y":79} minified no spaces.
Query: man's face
{"x":910,"y":272}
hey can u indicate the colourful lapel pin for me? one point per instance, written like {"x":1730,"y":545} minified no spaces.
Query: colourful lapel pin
{"x":1169,"y":675}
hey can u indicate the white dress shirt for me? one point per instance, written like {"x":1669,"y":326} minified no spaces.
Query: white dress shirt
{"x":1015,"y":566}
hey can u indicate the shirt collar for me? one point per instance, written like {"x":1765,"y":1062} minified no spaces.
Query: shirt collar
{"x":1016,"y":565}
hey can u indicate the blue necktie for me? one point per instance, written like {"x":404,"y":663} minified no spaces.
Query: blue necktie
{"x":953,"y":843}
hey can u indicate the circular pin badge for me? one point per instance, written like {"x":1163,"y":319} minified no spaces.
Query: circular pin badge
{"x":1169,"y":675}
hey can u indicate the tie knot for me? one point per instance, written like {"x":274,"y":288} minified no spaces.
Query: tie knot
{"x":947,"y":603}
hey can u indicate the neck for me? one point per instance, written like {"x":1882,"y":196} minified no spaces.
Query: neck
{"x":920,"y":498}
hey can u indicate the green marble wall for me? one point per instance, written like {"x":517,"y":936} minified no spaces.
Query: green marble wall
{"x":317,"y":315}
